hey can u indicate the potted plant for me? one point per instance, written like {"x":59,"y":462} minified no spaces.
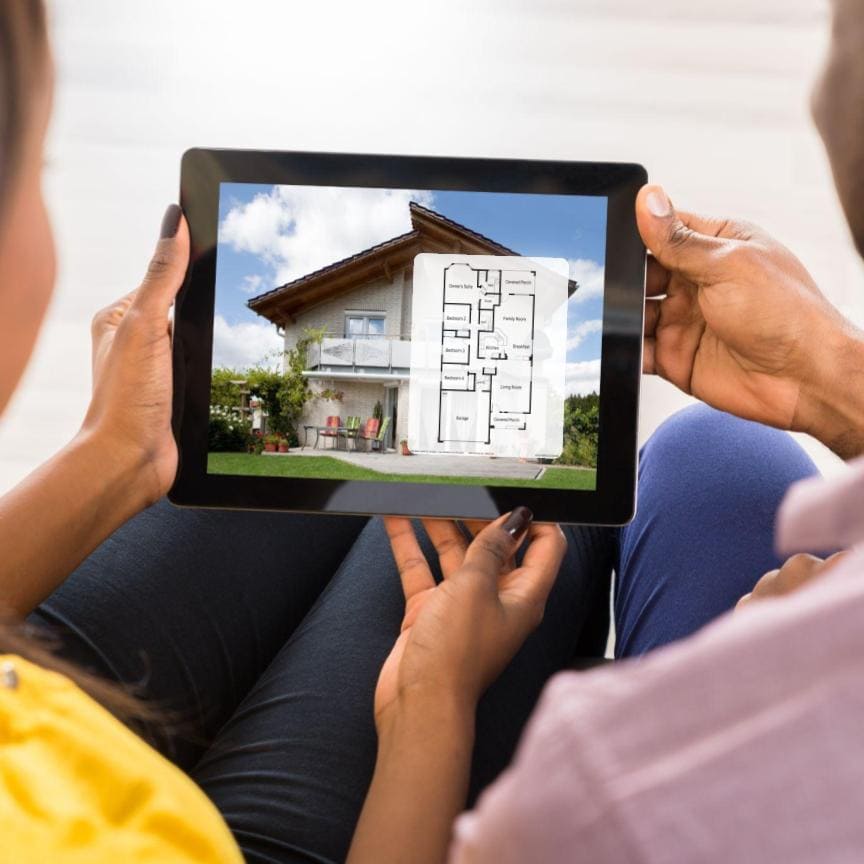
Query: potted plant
{"x":271,"y":442}
{"x":404,"y":445}
{"x":282,"y":445}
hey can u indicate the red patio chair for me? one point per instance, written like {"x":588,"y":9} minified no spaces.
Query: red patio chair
{"x":369,"y":432}
{"x":332,"y":428}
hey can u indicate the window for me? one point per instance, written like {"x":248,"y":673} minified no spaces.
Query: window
{"x":362,"y":325}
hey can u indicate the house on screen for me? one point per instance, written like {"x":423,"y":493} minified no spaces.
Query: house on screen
{"x":363,"y":304}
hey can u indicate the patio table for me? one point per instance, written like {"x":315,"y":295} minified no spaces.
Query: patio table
{"x":318,"y":431}
{"x":349,"y":434}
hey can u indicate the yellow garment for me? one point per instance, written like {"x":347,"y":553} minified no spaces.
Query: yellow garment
{"x":76,"y":785}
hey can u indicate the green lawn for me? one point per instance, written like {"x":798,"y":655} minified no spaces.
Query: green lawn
{"x":328,"y":468}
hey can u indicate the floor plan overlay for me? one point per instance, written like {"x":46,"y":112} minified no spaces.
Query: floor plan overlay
{"x":488,"y":349}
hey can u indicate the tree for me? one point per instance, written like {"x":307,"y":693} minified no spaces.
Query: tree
{"x":224,"y":390}
{"x":283,"y":394}
{"x":581,"y":430}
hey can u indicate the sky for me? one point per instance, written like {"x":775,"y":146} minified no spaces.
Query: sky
{"x":269,"y":235}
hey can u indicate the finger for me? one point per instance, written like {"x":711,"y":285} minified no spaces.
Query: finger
{"x":410,"y":561}
{"x":833,"y":560}
{"x":767,"y":584}
{"x":675,"y":244}
{"x":531,"y":583}
{"x":167,"y":268}
{"x":649,"y":350}
{"x":475,"y":526}
{"x":545,"y":551}
{"x":744,"y":601}
{"x":111,"y":315}
{"x":449,"y":542}
{"x":496,"y":544}
{"x":652,"y":316}
{"x":656,"y":278}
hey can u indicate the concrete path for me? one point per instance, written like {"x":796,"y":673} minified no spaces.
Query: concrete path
{"x":463,"y":466}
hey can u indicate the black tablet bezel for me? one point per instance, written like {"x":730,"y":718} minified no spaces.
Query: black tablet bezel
{"x":613,"y":501}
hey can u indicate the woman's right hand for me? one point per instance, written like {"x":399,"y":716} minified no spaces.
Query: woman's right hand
{"x":733,"y":318}
{"x":457,"y":636}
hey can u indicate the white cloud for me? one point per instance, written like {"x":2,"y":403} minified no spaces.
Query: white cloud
{"x":577,"y":336}
{"x":589,"y":275}
{"x":299,"y":229}
{"x":582,"y":377}
{"x":251,"y":284}
{"x":246,"y":344}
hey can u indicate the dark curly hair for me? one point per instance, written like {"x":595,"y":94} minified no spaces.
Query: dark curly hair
{"x":23,"y":52}
{"x":23,"y":64}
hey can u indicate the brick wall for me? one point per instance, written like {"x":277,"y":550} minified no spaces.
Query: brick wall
{"x":382,"y":295}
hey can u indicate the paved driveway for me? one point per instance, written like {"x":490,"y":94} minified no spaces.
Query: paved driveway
{"x":463,"y":466}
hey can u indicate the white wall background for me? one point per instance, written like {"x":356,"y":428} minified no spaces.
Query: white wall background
{"x":712,"y":98}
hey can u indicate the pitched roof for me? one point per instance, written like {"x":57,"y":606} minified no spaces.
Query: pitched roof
{"x":431,"y":232}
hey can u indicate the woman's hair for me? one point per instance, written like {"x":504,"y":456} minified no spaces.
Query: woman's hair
{"x":23,"y":63}
{"x":36,"y":646}
{"x":23,"y":66}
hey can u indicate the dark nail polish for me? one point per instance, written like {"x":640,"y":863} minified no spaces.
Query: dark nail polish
{"x":518,"y":521}
{"x":170,"y":221}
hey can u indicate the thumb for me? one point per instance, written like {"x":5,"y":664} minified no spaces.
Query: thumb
{"x":679,"y":241}
{"x":167,"y":267}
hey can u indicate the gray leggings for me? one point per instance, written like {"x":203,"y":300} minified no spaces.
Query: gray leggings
{"x":264,"y":633}
{"x":262,"y":636}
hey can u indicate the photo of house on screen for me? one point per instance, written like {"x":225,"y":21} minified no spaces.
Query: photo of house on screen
{"x":363,"y":305}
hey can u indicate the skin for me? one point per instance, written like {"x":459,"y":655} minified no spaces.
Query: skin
{"x":124,"y":456}
{"x":796,"y":572}
{"x":27,"y":257}
{"x":731,"y":317}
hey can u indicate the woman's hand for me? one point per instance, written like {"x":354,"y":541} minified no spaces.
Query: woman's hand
{"x":733,"y":318}
{"x":797,"y":571}
{"x":459,"y":635}
{"x":130,"y":412}
{"x":456,"y":638}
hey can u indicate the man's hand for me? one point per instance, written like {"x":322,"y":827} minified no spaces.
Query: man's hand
{"x":733,"y":318}
{"x":799,"y":570}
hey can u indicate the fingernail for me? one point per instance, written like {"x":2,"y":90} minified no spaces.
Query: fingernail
{"x":658,"y":203}
{"x":518,"y":521}
{"x":170,"y":222}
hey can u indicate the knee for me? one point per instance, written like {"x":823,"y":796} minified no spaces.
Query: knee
{"x":723,"y":447}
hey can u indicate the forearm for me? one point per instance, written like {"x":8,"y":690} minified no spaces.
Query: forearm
{"x":832,"y":401}
{"x":419,"y":786}
{"x":59,"y":514}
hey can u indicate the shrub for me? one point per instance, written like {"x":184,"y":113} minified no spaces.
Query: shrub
{"x":281,"y":386}
{"x":228,"y":431}
{"x":581,"y":429}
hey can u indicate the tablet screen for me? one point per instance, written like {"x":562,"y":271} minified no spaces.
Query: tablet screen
{"x":407,"y":335}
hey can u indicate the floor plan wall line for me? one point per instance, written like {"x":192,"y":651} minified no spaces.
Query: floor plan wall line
{"x":487,"y":335}
{"x":488,"y":355}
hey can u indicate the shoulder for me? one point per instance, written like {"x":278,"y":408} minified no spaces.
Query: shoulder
{"x":683,"y":752}
{"x":77,"y":778}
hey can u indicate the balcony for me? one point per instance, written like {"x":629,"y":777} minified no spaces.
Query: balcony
{"x":370,"y":358}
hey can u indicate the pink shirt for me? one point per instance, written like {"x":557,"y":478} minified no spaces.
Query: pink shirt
{"x":743,"y":743}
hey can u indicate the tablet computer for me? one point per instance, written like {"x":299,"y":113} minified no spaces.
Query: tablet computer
{"x":409,"y":335}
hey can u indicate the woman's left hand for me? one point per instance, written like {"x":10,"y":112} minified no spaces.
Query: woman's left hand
{"x":459,"y":635}
{"x":130,"y":411}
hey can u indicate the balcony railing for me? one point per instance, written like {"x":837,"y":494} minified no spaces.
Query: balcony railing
{"x":360,"y":354}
